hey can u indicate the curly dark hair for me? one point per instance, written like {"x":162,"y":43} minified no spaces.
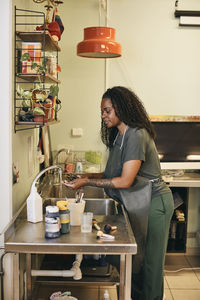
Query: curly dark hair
{"x":129,"y":109}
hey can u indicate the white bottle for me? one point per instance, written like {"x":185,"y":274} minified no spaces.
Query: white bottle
{"x":34,"y":206}
{"x":106,"y":295}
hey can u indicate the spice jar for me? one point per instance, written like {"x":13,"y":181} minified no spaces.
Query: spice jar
{"x":52,"y":222}
{"x":64,"y":214}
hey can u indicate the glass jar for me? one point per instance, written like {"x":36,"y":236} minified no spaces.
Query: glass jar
{"x":52,"y":222}
{"x":64,"y":214}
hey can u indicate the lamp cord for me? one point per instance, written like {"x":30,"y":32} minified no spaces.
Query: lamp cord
{"x":99,"y":12}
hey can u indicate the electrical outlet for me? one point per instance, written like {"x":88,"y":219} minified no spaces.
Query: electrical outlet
{"x":77,"y":131}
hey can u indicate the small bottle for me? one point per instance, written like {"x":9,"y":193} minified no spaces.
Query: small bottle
{"x":79,"y":167}
{"x":106,"y":295}
{"x":64,"y":214}
{"x":52,"y":222}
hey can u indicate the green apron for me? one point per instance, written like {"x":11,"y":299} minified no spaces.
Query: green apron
{"x":135,"y":199}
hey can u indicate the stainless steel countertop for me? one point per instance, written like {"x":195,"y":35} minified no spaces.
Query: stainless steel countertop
{"x":186,"y":180}
{"x":27,"y":237}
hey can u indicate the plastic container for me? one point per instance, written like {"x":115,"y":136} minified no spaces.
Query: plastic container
{"x":106,"y":295}
{"x":64,"y":214}
{"x":34,"y":206}
{"x":76,"y":210}
{"x":62,"y":296}
{"x":67,"y":296}
{"x":52,"y":222}
{"x":86,"y":222}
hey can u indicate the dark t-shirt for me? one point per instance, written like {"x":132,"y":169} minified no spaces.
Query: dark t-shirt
{"x":136,"y":144}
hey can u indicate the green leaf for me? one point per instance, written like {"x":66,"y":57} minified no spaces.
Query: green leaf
{"x":34,"y":66}
{"x":38,"y":110}
{"x":25,"y":57}
{"x":54,"y":89}
{"x":25,"y":103}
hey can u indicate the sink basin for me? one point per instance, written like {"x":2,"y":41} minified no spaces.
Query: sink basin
{"x":96,"y":200}
{"x":105,"y":207}
{"x":61,"y":191}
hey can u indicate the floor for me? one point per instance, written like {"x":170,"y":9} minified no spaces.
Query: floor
{"x":185,"y":284}
{"x":182,"y":285}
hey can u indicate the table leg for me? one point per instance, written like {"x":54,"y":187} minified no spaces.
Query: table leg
{"x":122,"y":277}
{"x":28,"y":277}
{"x":128,"y":275}
{"x":16,"y":284}
{"x":125,"y":277}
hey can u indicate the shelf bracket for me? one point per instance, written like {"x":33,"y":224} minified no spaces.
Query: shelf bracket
{"x":187,"y":17}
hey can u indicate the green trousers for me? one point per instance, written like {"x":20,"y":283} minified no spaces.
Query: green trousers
{"x":148,"y":285}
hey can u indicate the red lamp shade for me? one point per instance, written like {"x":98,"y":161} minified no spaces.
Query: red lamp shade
{"x":99,"y":42}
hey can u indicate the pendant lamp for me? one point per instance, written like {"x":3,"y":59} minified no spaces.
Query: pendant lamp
{"x":99,"y":42}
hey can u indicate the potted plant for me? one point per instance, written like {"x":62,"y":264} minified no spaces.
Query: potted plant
{"x":26,"y":97}
{"x":39,"y":114}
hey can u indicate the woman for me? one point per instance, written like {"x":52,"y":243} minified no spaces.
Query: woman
{"x":128,"y":133}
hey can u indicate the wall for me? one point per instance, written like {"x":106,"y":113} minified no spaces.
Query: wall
{"x":5,"y":121}
{"x":82,"y":81}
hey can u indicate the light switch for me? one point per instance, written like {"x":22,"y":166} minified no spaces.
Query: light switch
{"x":77,"y":131}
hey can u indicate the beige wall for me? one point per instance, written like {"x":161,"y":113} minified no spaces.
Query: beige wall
{"x":5,"y":122}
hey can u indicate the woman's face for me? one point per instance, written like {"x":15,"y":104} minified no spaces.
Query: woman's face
{"x":108,"y":114}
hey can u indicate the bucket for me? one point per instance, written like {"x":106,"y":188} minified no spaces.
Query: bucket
{"x":76,"y":210}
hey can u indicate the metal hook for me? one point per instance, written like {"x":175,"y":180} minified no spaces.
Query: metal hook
{"x":176,"y":4}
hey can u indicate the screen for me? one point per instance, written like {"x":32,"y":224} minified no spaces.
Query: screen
{"x":176,"y":140}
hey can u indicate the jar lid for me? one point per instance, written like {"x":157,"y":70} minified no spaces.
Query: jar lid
{"x":62,"y":204}
{"x":52,"y":209}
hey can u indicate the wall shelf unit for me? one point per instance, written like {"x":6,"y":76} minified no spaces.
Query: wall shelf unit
{"x":51,"y":122}
{"x":41,"y":48}
{"x":43,"y":77}
{"x":43,"y":37}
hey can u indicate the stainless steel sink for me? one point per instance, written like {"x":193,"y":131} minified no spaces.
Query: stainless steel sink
{"x":105,"y":207}
{"x":61,"y":191}
{"x":96,"y":200}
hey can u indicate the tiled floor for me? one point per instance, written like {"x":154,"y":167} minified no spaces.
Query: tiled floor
{"x":185,"y":284}
{"x":182,"y":285}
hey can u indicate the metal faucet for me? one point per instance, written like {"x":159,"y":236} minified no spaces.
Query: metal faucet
{"x":67,"y":151}
{"x":44,"y":171}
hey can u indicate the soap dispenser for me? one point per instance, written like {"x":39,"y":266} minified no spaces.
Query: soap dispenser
{"x":34,"y":206}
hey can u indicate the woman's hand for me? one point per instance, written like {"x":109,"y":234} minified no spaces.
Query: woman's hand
{"x":76,"y":183}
